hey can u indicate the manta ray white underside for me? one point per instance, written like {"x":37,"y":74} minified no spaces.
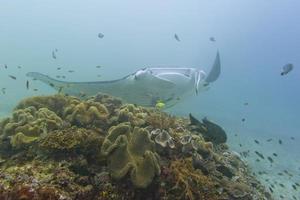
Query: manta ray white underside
{"x":144,"y":87}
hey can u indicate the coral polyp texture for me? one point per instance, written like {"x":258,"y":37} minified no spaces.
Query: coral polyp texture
{"x":62,"y":147}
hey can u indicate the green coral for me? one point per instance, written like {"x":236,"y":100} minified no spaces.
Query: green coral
{"x":85,"y":113}
{"x":134,"y":114}
{"x":30,"y":122}
{"x":19,"y":140}
{"x":131,"y":152}
{"x":71,"y":139}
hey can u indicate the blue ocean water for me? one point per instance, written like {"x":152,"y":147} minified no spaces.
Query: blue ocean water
{"x":255,"y":39}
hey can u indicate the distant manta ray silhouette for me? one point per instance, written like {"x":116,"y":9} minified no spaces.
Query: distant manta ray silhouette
{"x":144,"y":87}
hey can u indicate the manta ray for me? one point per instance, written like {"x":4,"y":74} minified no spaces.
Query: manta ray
{"x":144,"y":87}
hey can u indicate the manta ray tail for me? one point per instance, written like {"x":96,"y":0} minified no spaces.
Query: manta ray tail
{"x":58,"y":85}
{"x":215,"y":71}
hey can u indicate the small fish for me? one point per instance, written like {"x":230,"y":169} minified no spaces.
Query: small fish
{"x":292,"y":138}
{"x":5,"y":66}
{"x":53,"y":55}
{"x":160,"y":105}
{"x":246,"y":104}
{"x":12,"y":77}
{"x":56,"y":50}
{"x":98,"y":66}
{"x":176,"y":37}
{"x":271,"y":190}
{"x":19,"y":67}
{"x":3,"y":90}
{"x":35,"y":89}
{"x":243,"y":119}
{"x":235,"y":135}
{"x":294,"y":186}
{"x":280,"y":141}
{"x":286,"y":69}
{"x":82,"y":94}
{"x":280,"y":174}
{"x":281,"y":185}
{"x":275,"y":154}
{"x":270,"y":159}
{"x":297,"y":184}
{"x":59,"y":68}
{"x":51,"y":84}
{"x":27,"y":84}
{"x":240,"y":145}
{"x":260,"y":155}
{"x":71,"y":71}
{"x":256,"y":141}
{"x":63,"y":76}
{"x":57,"y":76}
{"x":257,"y":160}
{"x":269,"y":140}
{"x":212,"y":39}
{"x":281,"y":196}
{"x":60,"y":89}
{"x":98,"y":75}
{"x":100,"y":35}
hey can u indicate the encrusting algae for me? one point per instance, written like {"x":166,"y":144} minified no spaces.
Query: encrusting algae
{"x":61,"y":147}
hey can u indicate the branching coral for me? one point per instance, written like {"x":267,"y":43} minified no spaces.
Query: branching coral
{"x":131,"y":152}
{"x":190,"y":183}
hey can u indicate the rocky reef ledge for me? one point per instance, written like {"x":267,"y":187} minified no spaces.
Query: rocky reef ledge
{"x":61,"y":147}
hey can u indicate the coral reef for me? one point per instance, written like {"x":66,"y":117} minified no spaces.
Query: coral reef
{"x":61,"y":147}
{"x":131,"y":153}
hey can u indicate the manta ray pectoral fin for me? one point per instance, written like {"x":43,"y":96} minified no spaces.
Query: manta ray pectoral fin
{"x":215,"y":71}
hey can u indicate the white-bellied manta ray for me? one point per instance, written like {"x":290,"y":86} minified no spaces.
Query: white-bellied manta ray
{"x":144,"y":87}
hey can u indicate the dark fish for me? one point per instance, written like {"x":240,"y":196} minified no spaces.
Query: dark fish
{"x":98,"y":75}
{"x":35,"y":89}
{"x":256,"y":141}
{"x":212,"y":39}
{"x":27,"y":84}
{"x":246,"y":104}
{"x":294,"y":197}
{"x":240,"y":145}
{"x":210,"y":131}
{"x":294,"y":186}
{"x":51,"y":84}
{"x":280,"y":174}
{"x":3,"y":90}
{"x":71,"y":71}
{"x":82,"y":94}
{"x":260,"y":155}
{"x":53,"y":55}
{"x":270,"y":159}
{"x":235,"y":135}
{"x":297,"y":184}
{"x":63,"y":76}
{"x":98,"y":66}
{"x":59,"y":68}
{"x":12,"y":77}
{"x":57,"y":76}
{"x":281,"y":185}
{"x":5,"y":66}
{"x":292,"y":138}
{"x":286,"y":69}
{"x":271,"y":190}
{"x":243,"y":119}
{"x":275,"y":154}
{"x":19,"y":67}
{"x":281,"y":196}
{"x":56,"y":50}
{"x":100,"y":35}
{"x":269,"y":140}
{"x":176,"y":37}
{"x":257,"y":160}
{"x":280,"y":141}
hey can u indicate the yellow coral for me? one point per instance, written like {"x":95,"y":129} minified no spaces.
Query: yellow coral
{"x":132,"y":152}
{"x":19,"y":140}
